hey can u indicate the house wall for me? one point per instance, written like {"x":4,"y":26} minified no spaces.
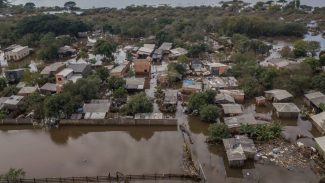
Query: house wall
{"x":15,"y":56}
{"x":287,"y":114}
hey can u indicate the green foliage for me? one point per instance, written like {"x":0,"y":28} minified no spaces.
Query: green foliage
{"x":210,"y":113}
{"x":49,"y":47}
{"x":102,"y":73}
{"x":3,"y":83}
{"x":196,"y":49}
{"x":31,"y":78}
{"x":159,"y":93}
{"x":70,"y":5}
{"x":176,"y":71}
{"x":12,"y":175}
{"x":60,"y":105}
{"x":3,"y":115}
{"x":183,"y":59}
{"x":301,"y":48}
{"x":35,"y":103}
{"x":313,"y":63}
{"x":218,"y":131}
{"x":83,"y":53}
{"x":318,"y":82}
{"x":163,"y":36}
{"x":84,"y":89}
{"x":104,"y":47}
{"x":322,"y":106}
{"x":120,"y":93}
{"x":139,"y":103}
{"x":115,"y":83}
{"x":262,"y":132}
{"x":250,"y":86}
{"x":286,"y":52}
{"x":29,"y":5}
{"x":198,"y":100}
{"x":9,"y":90}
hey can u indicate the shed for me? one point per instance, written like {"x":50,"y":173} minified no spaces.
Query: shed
{"x":217,"y":68}
{"x":53,"y":69}
{"x":135,"y":83}
{"x":166,"y":47}
{"x":191,"y":86}
{"x":97,"y":109}
{"x":81,"y":68}
{"x":278,"y":95}
{"x":319,"y":121}
{"x":314,"y":100}
{"x":27,"y":90}
{"x":221,"y":83}
{"x":13,"y":102}
{"x":260,"y":101}
{"x":175,"y":53}
{"x":238,"y":95}
{"x":121,"y":70}
{"x":170,"y":101}
{"x":232,"y":109}
{"x":223,"y":98}
{"x":48,"y":88}
{"x":286,"y":110}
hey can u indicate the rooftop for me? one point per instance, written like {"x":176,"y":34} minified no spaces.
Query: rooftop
{"x":120,"y":68}
{"x":316,"y":98}
{"x":135,"y":83}
{"x":221,"y":82}
{"x":178,"y":52}
{"x":52,"y":68}
{"x":65,"y":72}
{"x":286,"y":107}
{"x":279,"y":94}
{"x":224,"y":97}
{"x":13,"y":100}
{"x":192,"y":84}
{"x":78,"y":68}
{"x":319,"y":119}
{"x":170,"y":97}
{"x":27,"y":90}
{"x":232,"y":108}
{"x":96,"y":107}
{"x":49,"y":87}
{"x":236,"y":121}
{"x":166,"y":46}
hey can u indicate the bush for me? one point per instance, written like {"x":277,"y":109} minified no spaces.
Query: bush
{"x":210,"y":113}
{"x":198,"y":100}
{"x":139,"y":103}
{"x":262,"y":132}
{"x":218,"y":131}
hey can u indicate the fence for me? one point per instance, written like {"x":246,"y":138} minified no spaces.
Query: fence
{"x":117,"y":178}
{"x":21,"y":121}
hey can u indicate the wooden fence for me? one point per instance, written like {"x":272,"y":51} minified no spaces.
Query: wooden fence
{"x":110,"y":178}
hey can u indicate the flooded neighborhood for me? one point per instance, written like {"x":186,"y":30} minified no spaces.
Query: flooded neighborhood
{"x":226,"y":92}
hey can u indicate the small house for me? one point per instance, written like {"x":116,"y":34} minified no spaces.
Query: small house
{"x":62,"y":78}
{"x":278,"y":95}
{"x":135,"y":84}
{"x":232,"y":109}
{"x":234,"y":123}
{"x":280,"y":63}
{"x":191,"y":86}
{"x":14,"y":102}
{"x":96,"y":109}
{"x":14,"y":75}
{"x":66,"y":51}
{"x":48,"y":88}
{"x":165,"y":47}
{"x":238,"y":95}
{"x":314,"y":100}
{"x":27,"y":90}
{"x":146,"y":50}
{"x":121,"y":70}
{"x":82,"y":68}
{"x":239,"y":149}
{"x":286,"y":110}
{"x":320,"y":145}
{"x":319,"y":121}
{"x":157,"y":55}
{"x":53,"y":69}
{"x":197,"y":66}
{"x":169,"y":103}
{"x":142,"y":67}
{"x":217,"y":68}
{"x":175,"y":53}
{"x":260,"y":101}
{"x":16,"y":52}
{"x":223,"y":98}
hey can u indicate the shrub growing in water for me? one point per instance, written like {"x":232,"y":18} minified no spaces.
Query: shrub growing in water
{"x":218,"y":131}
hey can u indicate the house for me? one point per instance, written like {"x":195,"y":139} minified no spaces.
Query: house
{"x":14,"y":75}
{"x":314,"y":100}
{"x":286,"y":110}
{"x":260,"y":101}
{"x":169,"y":103}
{"x":53,"y":69}
{"x":20,"y":85}
{"x":238,"y":95}
{"x":239,"y":149}
{"x":191,"y":86}
{"x":280,"y":63}
{"x":197,"y":66}
{"x":278,"y":95}
{"x":216,"y":83}
{"x":217,"y":68}
{"x":142,"y":67}
{"x":234,"y":123}
{"x":96,"y":109}
{"x":319,"y":121}
{"x":16,"y":52}
{"x":62,"y":78}
{"x":14,"y":102}
{"x":175,"y":53}
{"x":165,"y":47}
{"x":27,"y":90}
{"x":2,"y":101}
{"x":157,"y":55}
{"x":48,"y":88}
{"x":223,"y":98}
{"x":135,"y":83}
{"x":146,"y":50}
{"x":66,"y":51}
{"x":82,"y":68}
{"x":121,"y":70}
{"x":320,"y":145}
{"x":232,"y":109}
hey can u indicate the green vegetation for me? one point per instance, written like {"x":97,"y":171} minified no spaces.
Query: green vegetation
{"x":115,"y":83}
{"x":318,"y":82}
{"x":104,"y":47}
{"x":217,"y":132}
{"x":302,"y":48}
{"x":176,"y":71}
{"x":12,"y":175}
{"x":210,"y":113}
{"x":262,"y":132}
{"x":198,"y":100}
{"x":139,"y":103}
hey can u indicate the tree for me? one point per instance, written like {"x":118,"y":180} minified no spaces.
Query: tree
{"x":60,"y":105}
{"x":83,"y":53}
{"x":29,"y":5}
{"x":120,"y":93}
{"x":49,"y":47}
{"x":286,"y":52}
{"x":313,"y":63}
{"x":3,"y":83}
{"x":322,"y":58}
{"x":198,"y":100}
{"x":12,"y":175}
{"x":104,"y":47}
{"x":183,"y":59}
{"x":70,"y":5}
{"x":31,"y":78}
{"x":115,"y":83}
{"x":9,"y":90}
{"x":35,"y":103}
{"x":139,"y":103}
{"x":84,"y":89}
{"x":210,"y":113}
{"x":250,"y":86}
{"x":103,"y":73}
{"x":4,"y":3}
{"x":218,"y":131}
{"x":313,"y":47}
{"x":318,"y":82}
{"x":300,"y":48}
